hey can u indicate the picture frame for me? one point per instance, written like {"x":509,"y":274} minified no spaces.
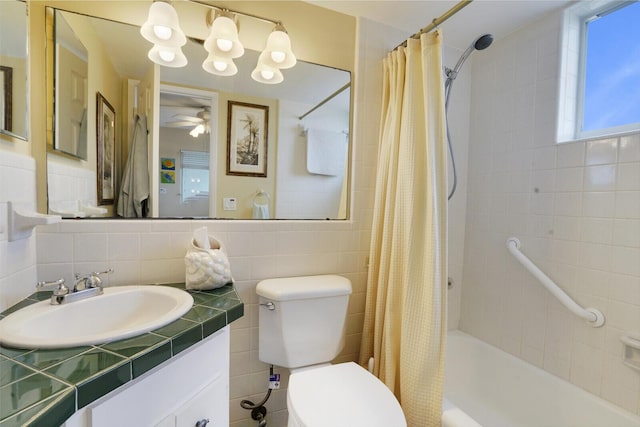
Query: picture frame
{"x":106,"y":149}
{"x":6,"y":98}
{"x":247,"y":139}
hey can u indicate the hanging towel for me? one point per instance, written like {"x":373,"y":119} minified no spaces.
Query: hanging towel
{"x":134,"y":193}
{"x":326,"y":152}
{"x":260,"y":211}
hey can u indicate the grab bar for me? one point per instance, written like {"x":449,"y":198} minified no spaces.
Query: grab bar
{"x":592,"y":315}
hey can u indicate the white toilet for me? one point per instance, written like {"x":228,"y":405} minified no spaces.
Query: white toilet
{"x":302,"y":325}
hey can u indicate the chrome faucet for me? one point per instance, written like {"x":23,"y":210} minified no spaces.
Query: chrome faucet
{"x":89,"y":281}
{"x":85,"y":286}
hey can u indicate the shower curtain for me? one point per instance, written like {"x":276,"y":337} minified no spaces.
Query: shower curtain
{"x":405,"y":317}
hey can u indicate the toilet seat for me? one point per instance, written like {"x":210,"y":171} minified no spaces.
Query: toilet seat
{"x":342,"y":395}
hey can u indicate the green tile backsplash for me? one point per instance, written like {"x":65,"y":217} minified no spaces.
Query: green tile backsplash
{"x":45,"y":387}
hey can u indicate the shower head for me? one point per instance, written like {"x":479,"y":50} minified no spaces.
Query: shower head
{"x":481,"y":43}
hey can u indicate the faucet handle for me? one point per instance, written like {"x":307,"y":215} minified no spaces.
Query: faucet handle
{"x":58,"y":287}
{"x":92,"y":280}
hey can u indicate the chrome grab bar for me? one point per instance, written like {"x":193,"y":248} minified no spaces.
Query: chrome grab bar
{"x":592,"y":315}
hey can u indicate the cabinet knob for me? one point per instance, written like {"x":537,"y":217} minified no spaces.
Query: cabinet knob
{"x":202,"y":423}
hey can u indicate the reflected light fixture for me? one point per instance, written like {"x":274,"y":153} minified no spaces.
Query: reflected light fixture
{"x":198,"y":130}
{"x":220,"y":66}
{"x":168,"y":56}
{"x":265,"y":73}
{"x":279,"y":53}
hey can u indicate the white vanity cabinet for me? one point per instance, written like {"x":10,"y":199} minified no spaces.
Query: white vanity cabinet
{"x":192,"y":386}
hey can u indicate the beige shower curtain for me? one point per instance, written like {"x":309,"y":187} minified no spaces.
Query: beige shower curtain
{"x":405,"y":317}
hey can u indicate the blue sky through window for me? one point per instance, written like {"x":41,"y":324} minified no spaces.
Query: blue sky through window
{"x":612,"y":85}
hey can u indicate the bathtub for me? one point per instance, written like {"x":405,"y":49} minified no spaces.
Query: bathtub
{"x":485,"y":386}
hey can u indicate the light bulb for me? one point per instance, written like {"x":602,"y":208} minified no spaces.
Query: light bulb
{"x":162,"y":32}
{"x":278,"y":57}
{"x":267,"y":74}
{"x":167,"y":55}
{"x":220,"y":65}
{"x":199,"y":128}
{"x":224,"y":44}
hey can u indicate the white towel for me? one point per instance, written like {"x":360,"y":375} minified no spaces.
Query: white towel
{"x":260,"y":211}
{"x":326,"y":152}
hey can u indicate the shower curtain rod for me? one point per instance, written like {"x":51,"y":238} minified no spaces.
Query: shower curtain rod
{"x":437,"y":21}
{"x":327,"y":99}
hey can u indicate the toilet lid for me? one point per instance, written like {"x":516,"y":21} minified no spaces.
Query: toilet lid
{"x":343,"y":395}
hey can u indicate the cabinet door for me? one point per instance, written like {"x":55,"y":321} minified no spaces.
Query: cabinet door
{"x":211,"y":403}
{"x":170,"y":388}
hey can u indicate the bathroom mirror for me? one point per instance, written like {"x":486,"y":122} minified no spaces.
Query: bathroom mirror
{"x":13,"y":69}
{"x":119,"y":70}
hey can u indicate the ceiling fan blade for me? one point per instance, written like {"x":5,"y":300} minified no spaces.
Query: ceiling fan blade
{"x":188,"y":118}
{"x":180,"y":124}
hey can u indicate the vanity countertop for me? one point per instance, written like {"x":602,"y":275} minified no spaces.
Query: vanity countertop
{"x":46,"y":387}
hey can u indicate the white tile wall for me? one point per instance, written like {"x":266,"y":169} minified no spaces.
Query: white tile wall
{"x":579,"y":210}
{"x":18,"y":258}
{"x":68,"y":185}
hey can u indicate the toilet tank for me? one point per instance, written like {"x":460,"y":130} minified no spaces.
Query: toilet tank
{"x":305,"y":322}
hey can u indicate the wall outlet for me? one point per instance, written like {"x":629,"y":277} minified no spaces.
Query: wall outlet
{"x":229,"y":203}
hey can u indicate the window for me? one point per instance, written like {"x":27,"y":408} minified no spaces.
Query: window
{"x":195,"y":175}
{"x":600,"y":90}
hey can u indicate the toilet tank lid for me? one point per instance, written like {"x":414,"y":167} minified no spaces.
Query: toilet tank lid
{"x":294,"y":288}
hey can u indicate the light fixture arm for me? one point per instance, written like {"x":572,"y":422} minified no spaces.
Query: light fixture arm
{"x":280,"y":27}
{"x":234,"y":12}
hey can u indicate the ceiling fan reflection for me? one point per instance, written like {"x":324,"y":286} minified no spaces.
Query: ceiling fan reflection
{"x":199,"y":123}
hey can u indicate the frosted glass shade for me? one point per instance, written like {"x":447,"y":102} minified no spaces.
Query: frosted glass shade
{"x":219,"y":66}
{"x":223,"y":39}
{"x":162,"y":26}
{"x":266,"y":74}
{"x":279,"y":53}
{"x":167,"y":56}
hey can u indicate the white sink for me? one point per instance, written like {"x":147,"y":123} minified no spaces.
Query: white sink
{"x":120,"y":312}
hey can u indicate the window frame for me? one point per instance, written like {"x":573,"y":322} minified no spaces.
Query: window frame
{"x":573,"y":71}
{"x":188,"y":161}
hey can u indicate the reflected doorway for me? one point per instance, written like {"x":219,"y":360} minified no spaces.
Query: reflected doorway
{"x":187,"y":153}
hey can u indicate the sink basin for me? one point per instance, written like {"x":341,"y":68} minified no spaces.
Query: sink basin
{"x":120,"y":312}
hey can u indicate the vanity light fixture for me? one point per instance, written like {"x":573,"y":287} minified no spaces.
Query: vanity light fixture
{"x":162,"y":27}
{"x":222,"y":44}
{"x":223,"y":38}
{"x":163,"y":30}
{"x":279,"y":54}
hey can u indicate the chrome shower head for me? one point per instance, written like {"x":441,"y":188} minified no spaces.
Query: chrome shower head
{"x":481,"y":43}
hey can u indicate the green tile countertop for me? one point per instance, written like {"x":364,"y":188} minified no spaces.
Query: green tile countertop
{"x":46,"y":387}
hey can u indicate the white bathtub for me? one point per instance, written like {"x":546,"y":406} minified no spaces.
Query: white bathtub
{"x":496,"y":389}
